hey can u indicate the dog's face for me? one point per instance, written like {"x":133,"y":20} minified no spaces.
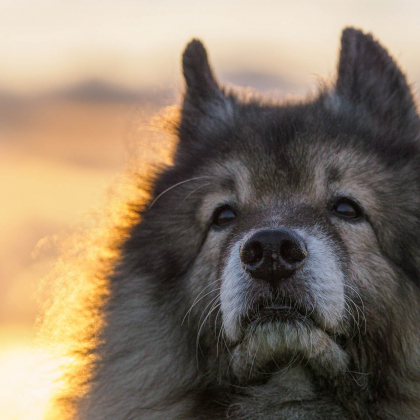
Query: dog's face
{"x":292,"y":229}
{"x":300,"y":247}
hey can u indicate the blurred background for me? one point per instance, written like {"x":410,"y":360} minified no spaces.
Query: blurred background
{"x":79,"y":81}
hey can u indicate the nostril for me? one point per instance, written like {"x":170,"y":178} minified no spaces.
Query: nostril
{"x":252,"y":253}
{"x":272,"y":254}
{"x":292,"y":252}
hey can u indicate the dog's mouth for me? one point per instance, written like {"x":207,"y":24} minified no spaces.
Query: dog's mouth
{"x":264,"y":313}
{"x":293,"y":313}
{"x":276,"y":312}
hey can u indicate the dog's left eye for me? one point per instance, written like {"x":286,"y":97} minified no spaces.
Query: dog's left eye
{"x":346,"y":208}
{"x":223,"y":216}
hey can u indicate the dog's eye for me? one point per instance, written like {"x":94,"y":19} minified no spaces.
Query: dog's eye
{"x":346,"y":208}
{"x":223,"y":216}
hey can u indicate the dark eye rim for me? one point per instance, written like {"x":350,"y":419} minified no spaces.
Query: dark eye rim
{"x":360,"y":215}
{"x":217,"y":212}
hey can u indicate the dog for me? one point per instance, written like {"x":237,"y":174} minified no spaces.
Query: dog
{"x":273,"y":272}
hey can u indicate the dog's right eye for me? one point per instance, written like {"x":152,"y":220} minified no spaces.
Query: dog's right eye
{"x":223,"y":216}
{"x":347,"y":209}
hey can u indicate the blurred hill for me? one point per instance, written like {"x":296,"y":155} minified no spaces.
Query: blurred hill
{"x":59,"y":151}
{"x":102,"y":91}
{"x":96,"y":90}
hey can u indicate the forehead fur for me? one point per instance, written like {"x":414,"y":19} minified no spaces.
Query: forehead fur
{"x":302,"y":140}
{"x":308,"y":167}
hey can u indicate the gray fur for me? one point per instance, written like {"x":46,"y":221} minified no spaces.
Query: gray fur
{"x":183,"y":335}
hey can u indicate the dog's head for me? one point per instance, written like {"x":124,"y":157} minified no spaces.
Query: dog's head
{"x":290,"y":232}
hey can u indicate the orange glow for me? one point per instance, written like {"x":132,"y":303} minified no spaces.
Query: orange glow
{"x":33,"y":376}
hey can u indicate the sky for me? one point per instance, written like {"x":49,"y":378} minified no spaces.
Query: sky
{"x":137,"y":43}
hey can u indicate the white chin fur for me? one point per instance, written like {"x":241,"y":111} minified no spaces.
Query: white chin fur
{"x":286,"y":344}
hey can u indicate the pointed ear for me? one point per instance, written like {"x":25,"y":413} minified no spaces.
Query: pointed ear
{"x":205,"y":108}
{"x":369,"y":77}
{"x":201,"y":84}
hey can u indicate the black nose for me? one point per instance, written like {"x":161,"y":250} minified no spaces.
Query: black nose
{"x":273,"y":254}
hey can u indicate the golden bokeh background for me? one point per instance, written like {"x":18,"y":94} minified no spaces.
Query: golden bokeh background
{"x":79,"y":81}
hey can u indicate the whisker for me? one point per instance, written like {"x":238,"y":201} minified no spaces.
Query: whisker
{"x":253,"y":360}
{"x":196,"y":300}
{"x":213,"y":305}
{"x":191,"y":193}
{"x":173,"y":186}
